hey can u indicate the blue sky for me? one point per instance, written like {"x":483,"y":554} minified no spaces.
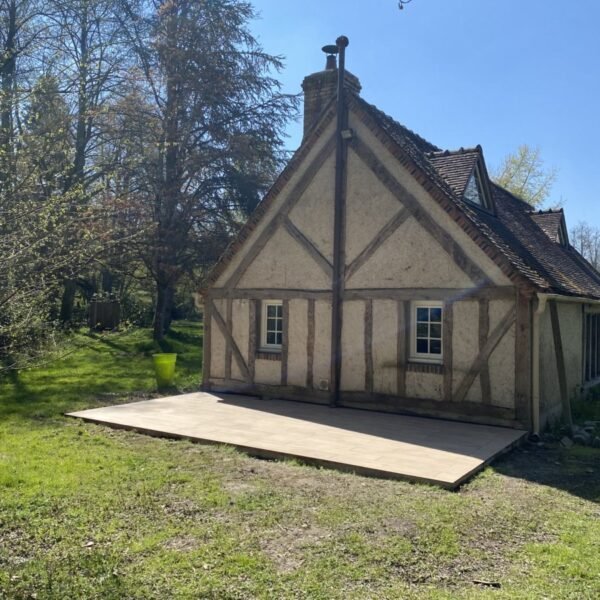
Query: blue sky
{"x":499,"y":73}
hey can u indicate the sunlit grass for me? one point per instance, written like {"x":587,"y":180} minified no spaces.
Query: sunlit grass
{"x":91,"y":512}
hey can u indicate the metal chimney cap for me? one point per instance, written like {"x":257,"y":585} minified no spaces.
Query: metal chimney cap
{"x":330,"y":49}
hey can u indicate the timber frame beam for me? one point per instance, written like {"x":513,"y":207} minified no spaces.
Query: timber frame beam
{"x":484,"y":354}
{"x":230,"y":342}
{"x":454,"y":250}
{"x":291,"y":200}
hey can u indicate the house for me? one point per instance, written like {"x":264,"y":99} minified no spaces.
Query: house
{"x":382,"y":272}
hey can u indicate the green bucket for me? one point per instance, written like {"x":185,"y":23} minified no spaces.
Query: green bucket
{"x":164,"y":367}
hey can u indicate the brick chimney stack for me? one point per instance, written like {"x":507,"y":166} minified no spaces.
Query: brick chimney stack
{"x":319,"y":88}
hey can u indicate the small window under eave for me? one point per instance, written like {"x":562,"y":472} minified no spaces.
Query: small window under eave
{"x":475,"y":192}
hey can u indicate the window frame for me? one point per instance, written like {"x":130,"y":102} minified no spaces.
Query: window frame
{"x":426,"y":357}
{"x":264,"y":345}
{"x":479,"y":174}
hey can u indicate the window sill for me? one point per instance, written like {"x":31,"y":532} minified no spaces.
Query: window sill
{"x":268,"y":354}
{"x":425,"y":367}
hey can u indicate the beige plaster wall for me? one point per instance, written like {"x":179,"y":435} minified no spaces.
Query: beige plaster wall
{"x":322,"y":351}
{"x":284,"y":263}
{"x":418,"y":261}
{"x":465,"y":345}
{"x":353,"y":347}
{"x":428,"y":203}
{"x":571,"y":329}
{"x":217,"y":363}
{"x":277,"y":203}
{"x":369,"y":207}
{"x":240,"y":315}
{"x":297,"y":338}
{"x":313,"y":214}
{"x":267,"y":372}
{"x":385,"y":346}
{"x":502,"y":371}
{"x":424,"y":385}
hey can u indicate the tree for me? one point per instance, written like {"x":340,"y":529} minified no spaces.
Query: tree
{"x":586,"y":239}
{"x":523,"y":174}
{"x":35,"y":226}
{"x":89,"y":57}
{"x":213,"y":119}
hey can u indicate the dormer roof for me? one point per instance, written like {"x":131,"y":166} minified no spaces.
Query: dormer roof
{"x":465,"y":172}
{"x":552,"y":222}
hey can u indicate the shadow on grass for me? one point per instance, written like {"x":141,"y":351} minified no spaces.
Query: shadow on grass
{"x":185,"y":337}
{"x":576,"y":471}
{"x":104,"y":339}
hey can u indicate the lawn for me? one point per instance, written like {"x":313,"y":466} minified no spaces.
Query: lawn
{"x":90,"y":512}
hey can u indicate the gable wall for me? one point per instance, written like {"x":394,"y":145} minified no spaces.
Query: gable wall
{"x":410,"y":264}
{"x":427,"y":202}
{"x":320,"y":192}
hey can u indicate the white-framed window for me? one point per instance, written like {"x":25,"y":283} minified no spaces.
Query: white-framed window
{"x":426,"y":331}
{"x":271,"y":325}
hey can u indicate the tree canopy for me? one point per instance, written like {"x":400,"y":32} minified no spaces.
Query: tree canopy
{"x":135,"y":136}
{"x":524,"y":174}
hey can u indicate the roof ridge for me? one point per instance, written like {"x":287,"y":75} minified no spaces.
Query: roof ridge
{"x":393,"y":121}
{"x":461,"y":150}
{"x":547,"y":211}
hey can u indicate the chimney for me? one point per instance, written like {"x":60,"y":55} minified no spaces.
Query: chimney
{"x":319,"y":88}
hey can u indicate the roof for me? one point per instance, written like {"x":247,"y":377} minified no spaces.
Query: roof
{"x":515,"y":234}
{"x":522,"y":242}
{"x":455,"y":167}
{"x":551,"y":222}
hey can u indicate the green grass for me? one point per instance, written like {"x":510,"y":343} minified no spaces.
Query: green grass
{"x":90,"y":512}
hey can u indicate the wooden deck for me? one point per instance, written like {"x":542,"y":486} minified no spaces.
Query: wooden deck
{"x":402,"y":447}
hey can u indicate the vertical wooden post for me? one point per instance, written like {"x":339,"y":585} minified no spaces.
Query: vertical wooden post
{"x":310,"y":343}
{"x":401,"y":347}
{"x":341,"y":156}
{"x":368,"y":339}
{"x":447,"y":327}
{"x":560,"y":364}
{"x":484,"y":331}
{"x":253,"y":306}
{"x":206,"y":343}
{"x":285,"y":309}
{"x":228,"y":348}
{"x":523,"y":364}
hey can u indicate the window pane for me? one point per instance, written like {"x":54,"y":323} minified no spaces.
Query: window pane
{"x":422,"y":330}
{"x":422,"y":314}
{"x":271,"y":337}
{"x":472,"y":193}
{"x":422,"y":346}
{"x":271,"y":310}
{"x":279,"y":338}
{"x":435,"y":330}
{"x":436,"y":315}
{"x":279,"y":325}
{"x":435,"y":347}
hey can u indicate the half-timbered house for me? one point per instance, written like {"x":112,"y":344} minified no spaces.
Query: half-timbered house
{"x":382,"y":272}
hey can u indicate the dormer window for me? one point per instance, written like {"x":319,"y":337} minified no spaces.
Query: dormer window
{"x":563,"y":237}
{"x":475,"y":192}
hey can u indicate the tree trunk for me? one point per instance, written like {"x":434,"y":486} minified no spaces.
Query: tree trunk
{"x":67,"y":302}
{"x":8,"y":66}
{"x":163,"y":311}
